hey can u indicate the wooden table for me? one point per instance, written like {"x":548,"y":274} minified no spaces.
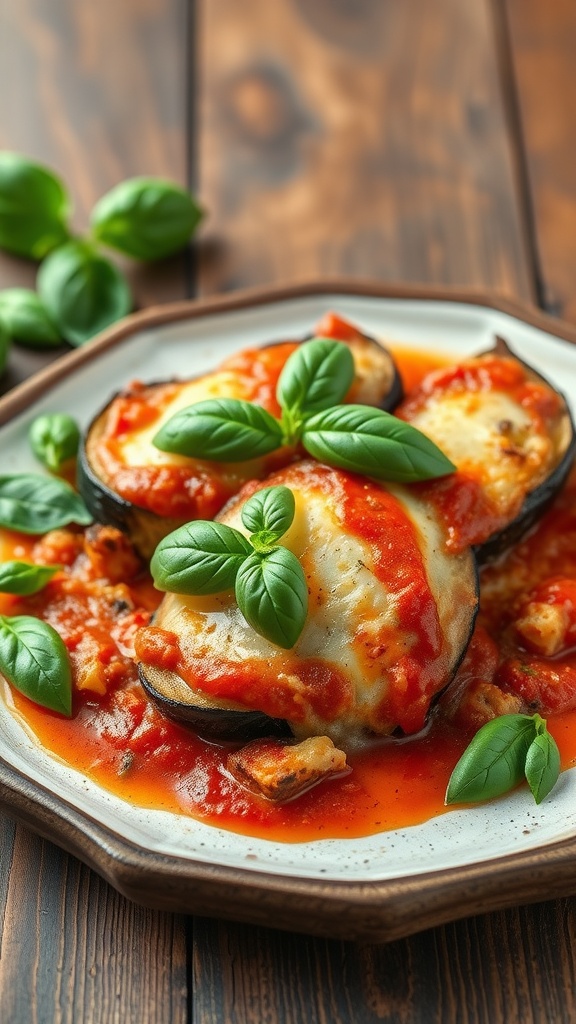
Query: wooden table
{"x":404,"y":141}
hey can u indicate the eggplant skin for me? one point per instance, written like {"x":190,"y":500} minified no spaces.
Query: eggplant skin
{"x":538,"y":500}
{"x":212,"y":719}
{"x":390,"y":618}
{"x":144,"y":527}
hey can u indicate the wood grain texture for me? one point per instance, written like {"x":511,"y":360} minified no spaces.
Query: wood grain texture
{"x":543,"y":43}
{"x":73,"y":950}
{"x":363,"y":138}
{"x":97,"y":92}
{"x":514,"y":968}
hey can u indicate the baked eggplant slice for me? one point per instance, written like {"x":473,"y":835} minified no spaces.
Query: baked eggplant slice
{"x":390,"y":615}
{"x":216,"y":719}
{"x":129,"y":483}
{"x":511,"y":435}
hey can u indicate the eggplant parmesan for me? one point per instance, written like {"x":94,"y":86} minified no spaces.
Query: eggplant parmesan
{"x":511,"y":435}
{"x":390,"y":616}
{"x":129,"y":483}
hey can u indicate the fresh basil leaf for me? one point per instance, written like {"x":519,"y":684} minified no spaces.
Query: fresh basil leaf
{"x":146,"y":218}
{"x":4,"y":348}
{"x":269,"y":512}
{"x":494,"y":761}
{"x":82,"y":292}
{"x":272,"y":595}
{"x":33,"y":208}
{"x":35,"y":504}
{"x":370,"y":441}
{"x":316,"y":376}
{"x":54,"y":439}
{"x":25,"y":319}
{"x":222,"y":430}
{"x":542,"y":766}
{"x":34,"y":659}
{"x":23,"y":579}
{"x":199,"y":558}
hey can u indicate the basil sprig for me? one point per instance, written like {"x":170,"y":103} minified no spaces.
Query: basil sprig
{"x":206,"y":558}
{"x":54,"y":439}
{"x":34,"y":504}
{"x":34,"y":659}
{"x":315,"y":379}
{"x":24,"y":578}
{"x":80,"y":291}
{"x":503,"y":752}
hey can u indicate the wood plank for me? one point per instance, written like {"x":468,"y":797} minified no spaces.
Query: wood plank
{"x":74,"y":950}
{"x":367,"y":139}
{"x":508,"y":968}
{"x":543,"y":44}
{"x":98,"y":93}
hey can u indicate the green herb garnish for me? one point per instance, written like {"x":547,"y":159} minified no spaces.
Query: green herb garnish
{"x":35,"y":504}
{"x":35,"y":660}
{"x":25,"y":319}
{"x":24,"y":578}
{"x":318,"y":374}
{"x":80,"y":291}
{"x":503,"y":753}
{"x":54,"y":439}
{"x":207,"y":558}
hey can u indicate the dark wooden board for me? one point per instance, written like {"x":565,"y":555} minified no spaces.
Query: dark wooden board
{"x":98,"y":93}
{"x":364,"y":138}
{"x":543,"y":45}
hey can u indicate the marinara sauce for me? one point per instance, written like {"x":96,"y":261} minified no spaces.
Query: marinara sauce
{"x":122,"y":742}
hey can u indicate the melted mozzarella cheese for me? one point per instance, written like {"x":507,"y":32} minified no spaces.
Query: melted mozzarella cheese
{"x":490,"y":436}
{"x":354,"y":620}
{"x":136,"y":448}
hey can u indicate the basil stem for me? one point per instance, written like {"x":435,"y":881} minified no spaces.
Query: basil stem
{"x":54,"y":439}
{"x":23,"y":578}
{"x":272,"y":595}
{"x":34,"y":659}
{"x":269,"y":511}
{"x":316,"y":376}
{"x":199,"y":558}
{"x":35,"y":504}
{"x":494,"y":761}
{"x":365,"y":440}
{"x":221,"y":429}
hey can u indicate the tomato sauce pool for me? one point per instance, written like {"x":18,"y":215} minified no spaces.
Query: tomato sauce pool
{"x":123,"y":743}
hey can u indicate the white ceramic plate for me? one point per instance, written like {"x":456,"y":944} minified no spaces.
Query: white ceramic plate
{"x":186,"y":340}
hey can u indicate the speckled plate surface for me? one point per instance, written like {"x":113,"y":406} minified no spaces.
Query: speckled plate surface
{"x":379,"y":887}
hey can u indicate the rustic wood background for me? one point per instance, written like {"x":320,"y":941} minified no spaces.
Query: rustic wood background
{"x":402,"y":141}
